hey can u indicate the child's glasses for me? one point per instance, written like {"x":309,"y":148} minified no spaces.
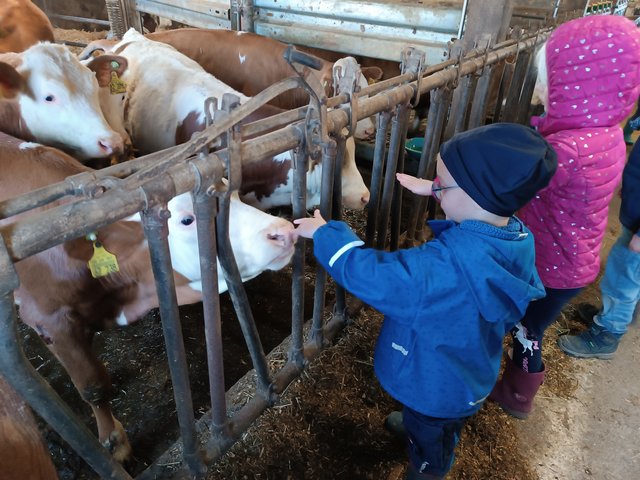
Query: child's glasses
{"x":437,"y":188}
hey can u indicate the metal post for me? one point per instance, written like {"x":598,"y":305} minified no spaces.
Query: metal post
{"x":328,"y":162}
{"x":299,"y":200}
{"x":156,"y":230}
{"x":376,"y":175}
{"x":397,"y":134}
{"x":340,"y":308}
{"x":205,"y":209}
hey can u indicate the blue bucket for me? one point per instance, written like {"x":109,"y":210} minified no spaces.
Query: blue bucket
{"x":413,"y":147}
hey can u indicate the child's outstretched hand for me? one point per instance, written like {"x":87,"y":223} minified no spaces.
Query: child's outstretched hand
{"x":306,"y":227}
{"x":418,"y":186}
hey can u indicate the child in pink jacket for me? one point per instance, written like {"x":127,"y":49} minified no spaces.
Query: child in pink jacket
{"x":588,"y":81}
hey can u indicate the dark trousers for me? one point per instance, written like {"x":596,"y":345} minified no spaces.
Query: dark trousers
{"x":528,"y":334}
{"x":431,"y":442}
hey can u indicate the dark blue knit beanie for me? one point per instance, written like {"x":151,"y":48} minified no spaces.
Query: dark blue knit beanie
{"x":501,"y":166}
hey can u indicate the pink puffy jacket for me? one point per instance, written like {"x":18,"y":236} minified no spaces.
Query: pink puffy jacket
{"x":593,"y":66}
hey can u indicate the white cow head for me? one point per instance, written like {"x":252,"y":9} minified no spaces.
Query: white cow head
{"x":259,"y":241}
{"x":58,"y":99}
{"x":366,"y":127}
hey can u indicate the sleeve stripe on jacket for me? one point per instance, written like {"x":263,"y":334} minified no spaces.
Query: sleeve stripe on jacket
{"x":348,"y":246}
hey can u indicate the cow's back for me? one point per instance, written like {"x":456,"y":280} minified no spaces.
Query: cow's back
{"x":247,"y":62}
{"x":22,"y":24}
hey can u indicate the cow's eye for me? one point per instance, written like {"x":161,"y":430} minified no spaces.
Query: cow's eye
{"x":188,"y":220}
{"x":49,"y":98}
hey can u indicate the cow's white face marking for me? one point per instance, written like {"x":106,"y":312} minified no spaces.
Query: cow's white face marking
{"x":62,"y":106}
{"x":259,"y":241}
{"x":242,"y":58}
{"x":29,"y":145}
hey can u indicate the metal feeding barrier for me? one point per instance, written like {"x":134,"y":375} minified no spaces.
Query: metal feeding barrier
{"x":146,"y":184}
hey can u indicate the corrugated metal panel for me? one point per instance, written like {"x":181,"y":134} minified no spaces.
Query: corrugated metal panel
{"x":198,"y":13}
{"x":379,"y":29}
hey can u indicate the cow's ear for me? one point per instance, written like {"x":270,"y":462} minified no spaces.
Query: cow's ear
{"x":372,"y":73}
{"x":11,"y":82}
{"x":104,"y":65}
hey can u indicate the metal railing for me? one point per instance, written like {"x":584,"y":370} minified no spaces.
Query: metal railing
{"x":147,"y":183}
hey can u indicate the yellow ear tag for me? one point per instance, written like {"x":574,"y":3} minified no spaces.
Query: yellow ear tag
{"x":116,"y":85}
{"x":102,"y":262}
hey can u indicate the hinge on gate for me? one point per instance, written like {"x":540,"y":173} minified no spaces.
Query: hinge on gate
{"x":232,"y":140}
{"x":346,"y":74}
{"x":413,"y":61}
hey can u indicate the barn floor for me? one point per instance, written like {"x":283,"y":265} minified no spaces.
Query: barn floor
{"x":328,"y":424}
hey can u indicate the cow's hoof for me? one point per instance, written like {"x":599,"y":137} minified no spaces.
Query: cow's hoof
{"x":118,"y":444}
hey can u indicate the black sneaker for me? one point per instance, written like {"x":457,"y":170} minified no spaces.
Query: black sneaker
{"x":586,"y":312}
{"x":393,"y":424}
{"x":593,"y":343}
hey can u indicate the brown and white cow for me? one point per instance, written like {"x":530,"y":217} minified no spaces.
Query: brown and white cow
{"x":61,"y":301}
{"x":48,"y":96}
{"x":164,"y":106}
{"x":23,"y":453}
{"x":22,"y":24}
{"x":250,"y":63}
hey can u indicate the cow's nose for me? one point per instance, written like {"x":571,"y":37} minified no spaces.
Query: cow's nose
{"x":111,"y":145}
{"x":364,"y":199}
{"x":282,"y":235}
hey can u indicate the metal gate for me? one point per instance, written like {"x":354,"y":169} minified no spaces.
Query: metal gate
{"x":457,"y":89}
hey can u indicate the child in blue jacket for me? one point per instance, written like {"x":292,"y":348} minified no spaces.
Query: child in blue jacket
{"x":449,"y":302}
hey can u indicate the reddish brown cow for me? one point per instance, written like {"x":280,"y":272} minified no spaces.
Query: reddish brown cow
{"x":62,"y":301}
{"x":22,"y":24}
{"x":23,"y":454}
{"x":65,"y":305}
{"x":235,"y":57}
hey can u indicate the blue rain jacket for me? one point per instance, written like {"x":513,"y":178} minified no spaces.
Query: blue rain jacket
{"x":447,"y":304}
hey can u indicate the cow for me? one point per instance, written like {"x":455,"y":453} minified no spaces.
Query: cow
{"x":177,"y":112}
{"x":386,"y":69}
{"x":22,"y":24}
{"x":250,"y":63}
{"x":23,"y":453}
{"x":48,"y":96}
{"x":65,"y":305}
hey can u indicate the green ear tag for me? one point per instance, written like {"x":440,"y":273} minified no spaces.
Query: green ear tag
{"x":116,"y":85}
{"x":102,"y":262}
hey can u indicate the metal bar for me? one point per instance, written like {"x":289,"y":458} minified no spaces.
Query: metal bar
{"x":396,"y":201}
{"x":506,"y":74}
{"x":240,"y":300}
{"x":395,"y":144}
{"x":524,"y":106}
{"x":79,"y":19}
{"x":424,"y":166}
{"x":156,"y":230}
{"x":479,"y":103}
{"x":205,"y":209}
{"x":340,"y":308}
{"x":247,"y":16}
{"x":515,"y":87}
{"x":326,"y":197}
{"x":21,"y":375}
{"x":299,"y":201}
{"x":379,"y":154}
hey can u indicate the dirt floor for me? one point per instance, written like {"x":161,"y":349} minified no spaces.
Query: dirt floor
{"x":328,"y":424}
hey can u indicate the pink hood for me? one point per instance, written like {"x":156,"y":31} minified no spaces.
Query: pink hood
{"x":593,"y":66}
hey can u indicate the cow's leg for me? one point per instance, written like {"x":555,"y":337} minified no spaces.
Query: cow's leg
{"x":71,"y":344}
